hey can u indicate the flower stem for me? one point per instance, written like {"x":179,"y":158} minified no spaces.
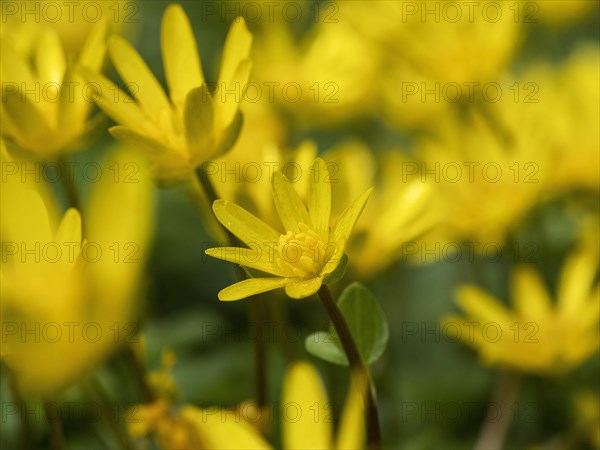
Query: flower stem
{"x":57,"y":436}
{"x":18,"y":399}
{"x":494,"y":431}
{"x":257,"y":311}
{"x":356,"y":365}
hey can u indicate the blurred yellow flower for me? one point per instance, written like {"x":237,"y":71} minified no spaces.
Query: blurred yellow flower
{"x":308,"y":425}
{"x":194,"y":124}
{"x":488,"y":170}
{"x":322,"y":80}
{"x":62,"y":295}
{"x":302,"y":257}
{"x":587,"y":405}
{"x":46,"y":105}
{"x":398,"y":213}
{"x":538,"y":336}
{"x":558,"y":12}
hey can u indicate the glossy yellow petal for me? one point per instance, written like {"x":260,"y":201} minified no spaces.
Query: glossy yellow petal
{"x":183,"y":68}
{"x":119,"y":106}
{"x":482,"y":307}
{"x":336,"y":250}
{"x":530,"y":296}
{"x":145,"y":87}
{"x":306,"y":411}
{"x":138,"y":141}
{"x":259,"y":258}
{"x":251,"y":287}
{"x":222,"y":430}
{"x":228,"y":104}
{"x":245,"y":226}
{"x":303,"y":288}
{"x":576,"y":281}
{"x":50,"y":58}
{"x":348,"y":218}
{"x":199,"y":120}
{"x":319,"y":198}
{"x":351,"y":431}
{"x":237,"y":48}
{"x":290,"y":208}
{"x":33,"y":125}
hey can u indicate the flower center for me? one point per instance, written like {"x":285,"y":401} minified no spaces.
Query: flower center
{"x":304,"y":254}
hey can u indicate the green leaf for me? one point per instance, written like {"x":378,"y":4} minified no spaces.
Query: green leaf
{"x":368,"y":326}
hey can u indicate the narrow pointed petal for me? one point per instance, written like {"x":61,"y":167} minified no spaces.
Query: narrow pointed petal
{"x":255,"y":258}
{"x":303,"y":288}
{"x":482,"y":307}
{"x":348,"y":218}
{"x":183,"y":68}
{"x":245,"y":226}
{"x":319,"y":198}
{"x":576,"y":281}
{"x":50,"y":58}
{"x":199,"y":119}
{"x":228,"y":105}
{"x":237,"y":48}
{"x":146,"y":88}
{"x":530,"y":295}
{"x":94,"y":50}
{"x":351,"y":432}
{"x":31,"y":123}
{"x":290,"y":208}
{"x":119,"y":106}
{"x":250,"y":287}
{"x":307,"y":429}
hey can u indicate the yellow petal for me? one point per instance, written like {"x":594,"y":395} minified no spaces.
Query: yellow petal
{"x":351,"y":431}
{"x":335,"y":259}
{"x":576,"y":281}
{"x":260,"y":258}
{"x":237,"y":48}
{"x":145,"y":87}
{"x":50,"y":58}
{"x":530,"y":296}
{"x":303,"y":288}
{"x":348,"y":218}
{"x":222,"y":430}
{"x":251,"y":287}
{"x":32,"y":124}
{"x":183,"y":68}
{"x":94,"y":50}
{"x":290,"y":208}
{"x":482,"y":307}
{"x":199,"y":118}
{"x":119,"y":106}
{"x":306,"y":411}
{"x":245,"y":226}
{"x":228,"y":104}
{"x":319,"y":198}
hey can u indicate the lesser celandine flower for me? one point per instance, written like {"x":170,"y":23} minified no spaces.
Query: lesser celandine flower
{"x":538,"y":335}
{"x":305,"y":254}
{"x":62,"y":294}
{"x":192,"y":125}
{"x":45,"y":109}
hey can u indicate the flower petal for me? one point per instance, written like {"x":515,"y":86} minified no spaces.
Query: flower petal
{"x":199,"y":120}
{"x":351,"y":431}
{"x":251,"y":287}
{"x":183,"y":68}
{"x":483,"y":307}
{"x":303,"y":288}
{"x":290,"y":208}
{"x":254,"y":258}
{"x":305,"y":429}
{"x":530,"y":296}
{"x":576,"y":281}
{"x":237,"y":48}
{"x":348,"y":218}
{"x":50,"y":58}
{"x":223,"y":431}
{"x":146,"y":88}
{"x":319,"y":198}
{"x":245,"y":226}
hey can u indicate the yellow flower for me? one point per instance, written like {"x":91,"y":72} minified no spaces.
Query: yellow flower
{"x":306,"y":416}
{"x":587,"y":406}
{"x":63,"y":295}
{"x":45,"y":106}
{"x":539,"y":336}
{"x":559,"y":12}
{"x":398,"y":213}
{"x":191,"y":126}
{"x":303,"y":256}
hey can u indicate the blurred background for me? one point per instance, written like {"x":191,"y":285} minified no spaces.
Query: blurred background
{"x":478,"y":124}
